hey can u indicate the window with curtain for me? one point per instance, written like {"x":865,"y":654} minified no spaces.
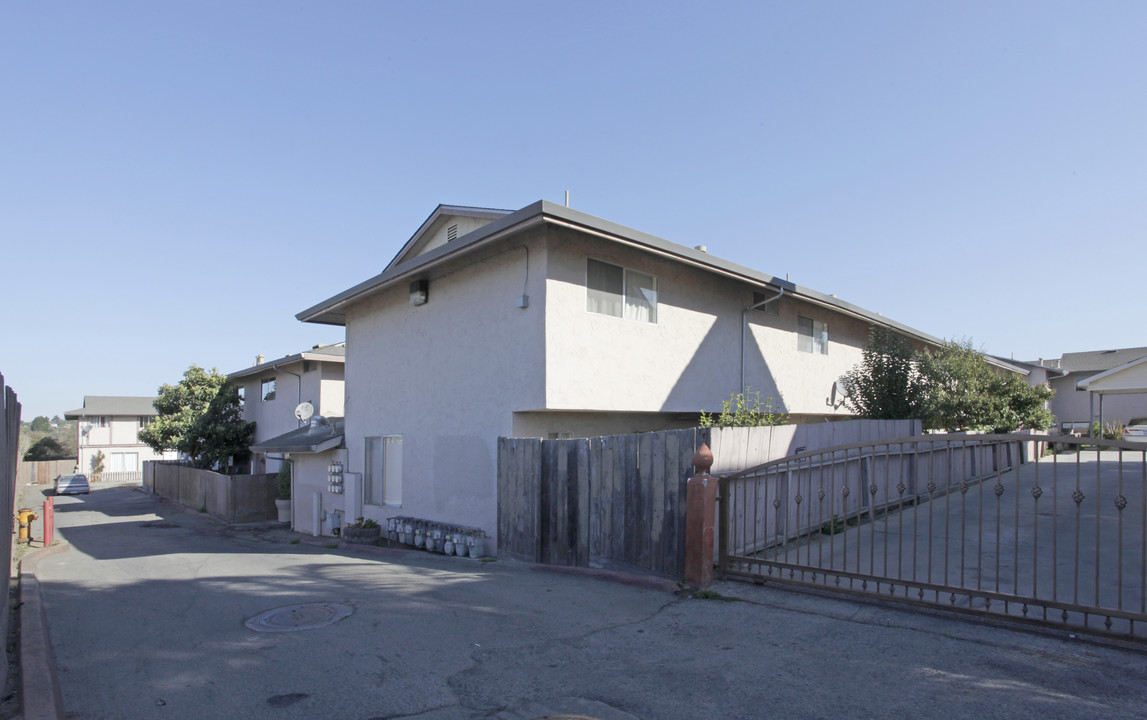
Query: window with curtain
{"x":620,"y":292}
{"x":812,"y":335}
{"x":123,"y":462}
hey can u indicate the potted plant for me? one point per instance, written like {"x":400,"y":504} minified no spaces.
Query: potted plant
{"x":283,"y":485}
{"x":365,"y":532}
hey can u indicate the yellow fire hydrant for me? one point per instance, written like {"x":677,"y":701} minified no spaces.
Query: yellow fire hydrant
{"x":26,"y":517}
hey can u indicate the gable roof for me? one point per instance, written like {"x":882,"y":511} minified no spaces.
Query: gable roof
{"x":1098,"y":360}
{"x":97,"y":405}
{"x":335,"y":353}
{"x":1113,"y":382}
{"x":428,"y":226}
{"x":333,"y":310}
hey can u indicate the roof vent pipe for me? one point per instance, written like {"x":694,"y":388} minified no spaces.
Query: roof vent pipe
{"x":701,"y":248}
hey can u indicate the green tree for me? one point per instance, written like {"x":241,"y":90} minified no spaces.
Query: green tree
{"x":41,"y":424}
{"x":200,"y":417}
{"x":952,"y":388}
{"x":745,"y":410}
{"x":885,"y":385}
{"x":47,"y":448}
{"x":963,"y":392}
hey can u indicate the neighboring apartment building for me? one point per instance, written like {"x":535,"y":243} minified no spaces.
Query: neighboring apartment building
{"x":549,"y":322}
{"x":1074,"y":406}
{"x":270,"y":392}
{"x":111,"y":424}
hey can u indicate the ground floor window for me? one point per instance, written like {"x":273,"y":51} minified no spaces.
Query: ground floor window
{"x":382,"y":477}
{"x":123,"y":462}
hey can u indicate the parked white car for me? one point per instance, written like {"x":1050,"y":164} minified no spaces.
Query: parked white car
{"x":1136,"y":430}
{"x":72,"y":485}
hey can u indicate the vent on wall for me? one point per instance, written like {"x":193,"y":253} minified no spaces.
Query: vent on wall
{"x":452,"y":233}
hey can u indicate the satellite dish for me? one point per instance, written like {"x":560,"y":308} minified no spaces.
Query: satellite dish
{"x":304,"y":411}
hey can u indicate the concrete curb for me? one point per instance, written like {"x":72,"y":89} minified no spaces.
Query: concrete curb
{"x":40,"y":687}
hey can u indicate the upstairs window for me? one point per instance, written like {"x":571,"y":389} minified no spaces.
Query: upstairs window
{"x":620,"y":292}
{"x":268,"y":389}
{"x":145,"y":420}
{"x":812,"y":336}
{"x":242,"y":392}
{"x":773,"y":307}
{"x":100,"y":422}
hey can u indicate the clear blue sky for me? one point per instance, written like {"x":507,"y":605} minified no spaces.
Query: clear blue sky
{"x":178,"y":179}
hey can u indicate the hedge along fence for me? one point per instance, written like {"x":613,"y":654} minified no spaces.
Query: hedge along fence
{"x":231,"y":498}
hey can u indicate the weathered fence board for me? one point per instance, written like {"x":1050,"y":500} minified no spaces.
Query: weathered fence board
{"x":596,"y":501}
{"x":231,"y":498}
{"x":9,"y":458}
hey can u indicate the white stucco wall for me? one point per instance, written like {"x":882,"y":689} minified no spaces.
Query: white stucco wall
{"x":309,"y":480}
{"x":690,"y":360}
{"x":446,"y":376}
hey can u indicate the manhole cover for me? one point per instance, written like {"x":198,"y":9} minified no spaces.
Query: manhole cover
{"x":299,"y":617}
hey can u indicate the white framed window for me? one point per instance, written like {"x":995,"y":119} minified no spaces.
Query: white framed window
{"x":145,"y":420}
{"x":382,"y":478}
{"x":100,"y":422}
{"x":812,"y":335}
{"x":268,"y":389}
{"x":123,"y":462}
{"x":242,"y":392}
{"x":620,"y":292}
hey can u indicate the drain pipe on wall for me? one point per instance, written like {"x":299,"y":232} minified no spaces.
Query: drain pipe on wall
{"x":745,"y":325}
{"x":276,"y":368}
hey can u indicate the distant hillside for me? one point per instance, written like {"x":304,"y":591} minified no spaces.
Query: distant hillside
{"x":65,"y":434}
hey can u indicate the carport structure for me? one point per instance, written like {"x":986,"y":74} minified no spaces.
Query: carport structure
{"x":1130,"y":378}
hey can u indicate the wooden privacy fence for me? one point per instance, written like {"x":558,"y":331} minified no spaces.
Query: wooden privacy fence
{"x":596,"y":501}
{"x":40,"y":472}
{"x":9,"y":457}
{"x":621,"y":498}
{"x":231,"y":498}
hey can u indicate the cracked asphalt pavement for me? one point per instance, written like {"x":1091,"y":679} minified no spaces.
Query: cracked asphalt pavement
{"x":146,"y":611}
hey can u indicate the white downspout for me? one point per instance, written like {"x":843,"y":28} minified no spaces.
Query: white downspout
{"x":276,"y":368}
{"x":745,"y":325}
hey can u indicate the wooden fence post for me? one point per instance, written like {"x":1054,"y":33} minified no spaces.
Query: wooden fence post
{"x":700,"y":504}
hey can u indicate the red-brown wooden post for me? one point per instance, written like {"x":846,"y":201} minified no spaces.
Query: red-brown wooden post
{"x":700,"y":507}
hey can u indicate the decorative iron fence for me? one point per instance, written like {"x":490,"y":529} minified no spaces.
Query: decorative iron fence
{"x":985,"y":524}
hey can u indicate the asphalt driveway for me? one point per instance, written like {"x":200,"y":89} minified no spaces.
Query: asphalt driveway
{"x":147,"y":609}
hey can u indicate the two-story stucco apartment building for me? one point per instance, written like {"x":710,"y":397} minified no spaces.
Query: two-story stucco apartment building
{"x":549,"y":322}
{"x":110,"y":424}
{"x":270,"y":391}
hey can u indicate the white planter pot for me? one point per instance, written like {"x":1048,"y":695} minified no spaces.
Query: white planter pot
{"x":284,"y":508}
